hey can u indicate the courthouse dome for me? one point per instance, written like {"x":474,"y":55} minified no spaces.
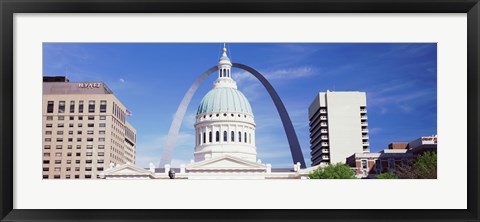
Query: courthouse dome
{"x":224,"y":99}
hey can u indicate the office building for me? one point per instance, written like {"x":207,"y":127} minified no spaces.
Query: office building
{"x":388,"y":160}
{"x":85,"y":129}
{"x":338,"y":126}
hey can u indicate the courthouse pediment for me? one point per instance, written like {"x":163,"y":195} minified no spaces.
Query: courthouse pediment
{"x":127,"y":169}
{"x":226,"y":163}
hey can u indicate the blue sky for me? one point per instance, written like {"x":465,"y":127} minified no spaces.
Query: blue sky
{"x":150,"y":79}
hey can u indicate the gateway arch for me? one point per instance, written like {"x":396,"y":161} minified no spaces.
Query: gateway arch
{"x":295,"y":149}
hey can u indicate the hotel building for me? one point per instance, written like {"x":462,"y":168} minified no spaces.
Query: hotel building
{"x":338,"y":126}
{"x":85,"y":130}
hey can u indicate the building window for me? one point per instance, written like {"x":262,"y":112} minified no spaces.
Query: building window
{"x":91,"y":106}
{"x":102,"y":124}
{"x":80,"y":106}
{"x":46,"y":161}
{"x":89,"y":153}
{"x":69,"y":154}
{"x":103,"y":117}
{"x":250,"y":138}
{"x":225,"y":136}
{"x":45,"y":169}
{"x":50,"y":107}
{"x":101,"y":154}
{"x":49,"y":117}
{"x":46,"y":147}
{"x":204,"y":139}
{"x":378,"y":165}
{"x":99,"y":168}
{"x":59,"y":147}
{"x":88,"y":169}
{"x":103,"y":106}
{"x":71,"y":118}
{"x":89,"y":132}
{"x":46,"y":154}
{"x":89,"y":139}
{"x":101,"y":132}
{"x":72,"y":106}
{"x":210,"y":136}
{"x":77,"y":168}
{"x":69,"y":161}
{"x":80,"y":125}
{"x":67,"y":176}
{"x":101,"y":139}
{"x":69,"y":147}
{"x":61,"y":117}
{"x":239,"y":136}
{"x":79,"y":139}
{"x":99,"y":161}
{"x":59,"y":132}
{"x":217,"y":136}
{"x":391,"y":164}
{"x":48,"y":139}
{"x":232,"y":137}
{"x":70,"y":132}
{"x":88,"y":161}
{"x":79,"y":147}
{"x":89,"y":147}
{"x":245,"y":138}
{"x":61,"y":107}
{"x":77,"y":161}
{"x":58,"y":154}
{"x":70,"y":125}
{"x":58,"y":161}
{"x":364,"y":164}
{"x":90,"y":125}
{"x":48,"y":132}
{"x":101,"y":146}
{"x":88,"y":176}
{"x":49,"y":125}
{"x":59,"y":139}
{"x":78,"y":154}
{"x":77,"y":176}
{"x":60,"y":125}
{"x":80,"y":117}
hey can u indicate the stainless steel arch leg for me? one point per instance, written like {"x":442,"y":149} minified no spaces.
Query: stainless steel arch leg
{"x":178,"y":118}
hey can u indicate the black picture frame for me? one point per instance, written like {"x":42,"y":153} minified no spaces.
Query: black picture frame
{"x":9,"y":7}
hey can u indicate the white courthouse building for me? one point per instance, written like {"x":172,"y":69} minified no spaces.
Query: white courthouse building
{"x":224,"y":143}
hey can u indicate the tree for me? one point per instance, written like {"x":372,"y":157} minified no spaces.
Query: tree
{"x":333,"y":171}
{"x":425,"y":166}
{"x":387,"y":175}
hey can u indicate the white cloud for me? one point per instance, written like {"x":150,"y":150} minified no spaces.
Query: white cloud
{"x":121,"y":80}
{"x":278,"y":74}
{"x":293,"y":73}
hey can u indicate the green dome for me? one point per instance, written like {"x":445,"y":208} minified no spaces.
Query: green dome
{"x":224,"y":99}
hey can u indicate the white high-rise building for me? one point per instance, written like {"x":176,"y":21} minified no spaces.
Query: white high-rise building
{"x":338,"y":126}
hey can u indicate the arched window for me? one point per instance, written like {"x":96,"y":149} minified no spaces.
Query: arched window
{"x":210,"y":136}
{"x":217,"y":136}
{"x":250,"y":138}
{"x":204,"y":138}
{"x":199,"y":138}
{"x":233,"y":137}
{"x":245,"y":138}
{"x":239,"y":136}
{"x":224,"y":136}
